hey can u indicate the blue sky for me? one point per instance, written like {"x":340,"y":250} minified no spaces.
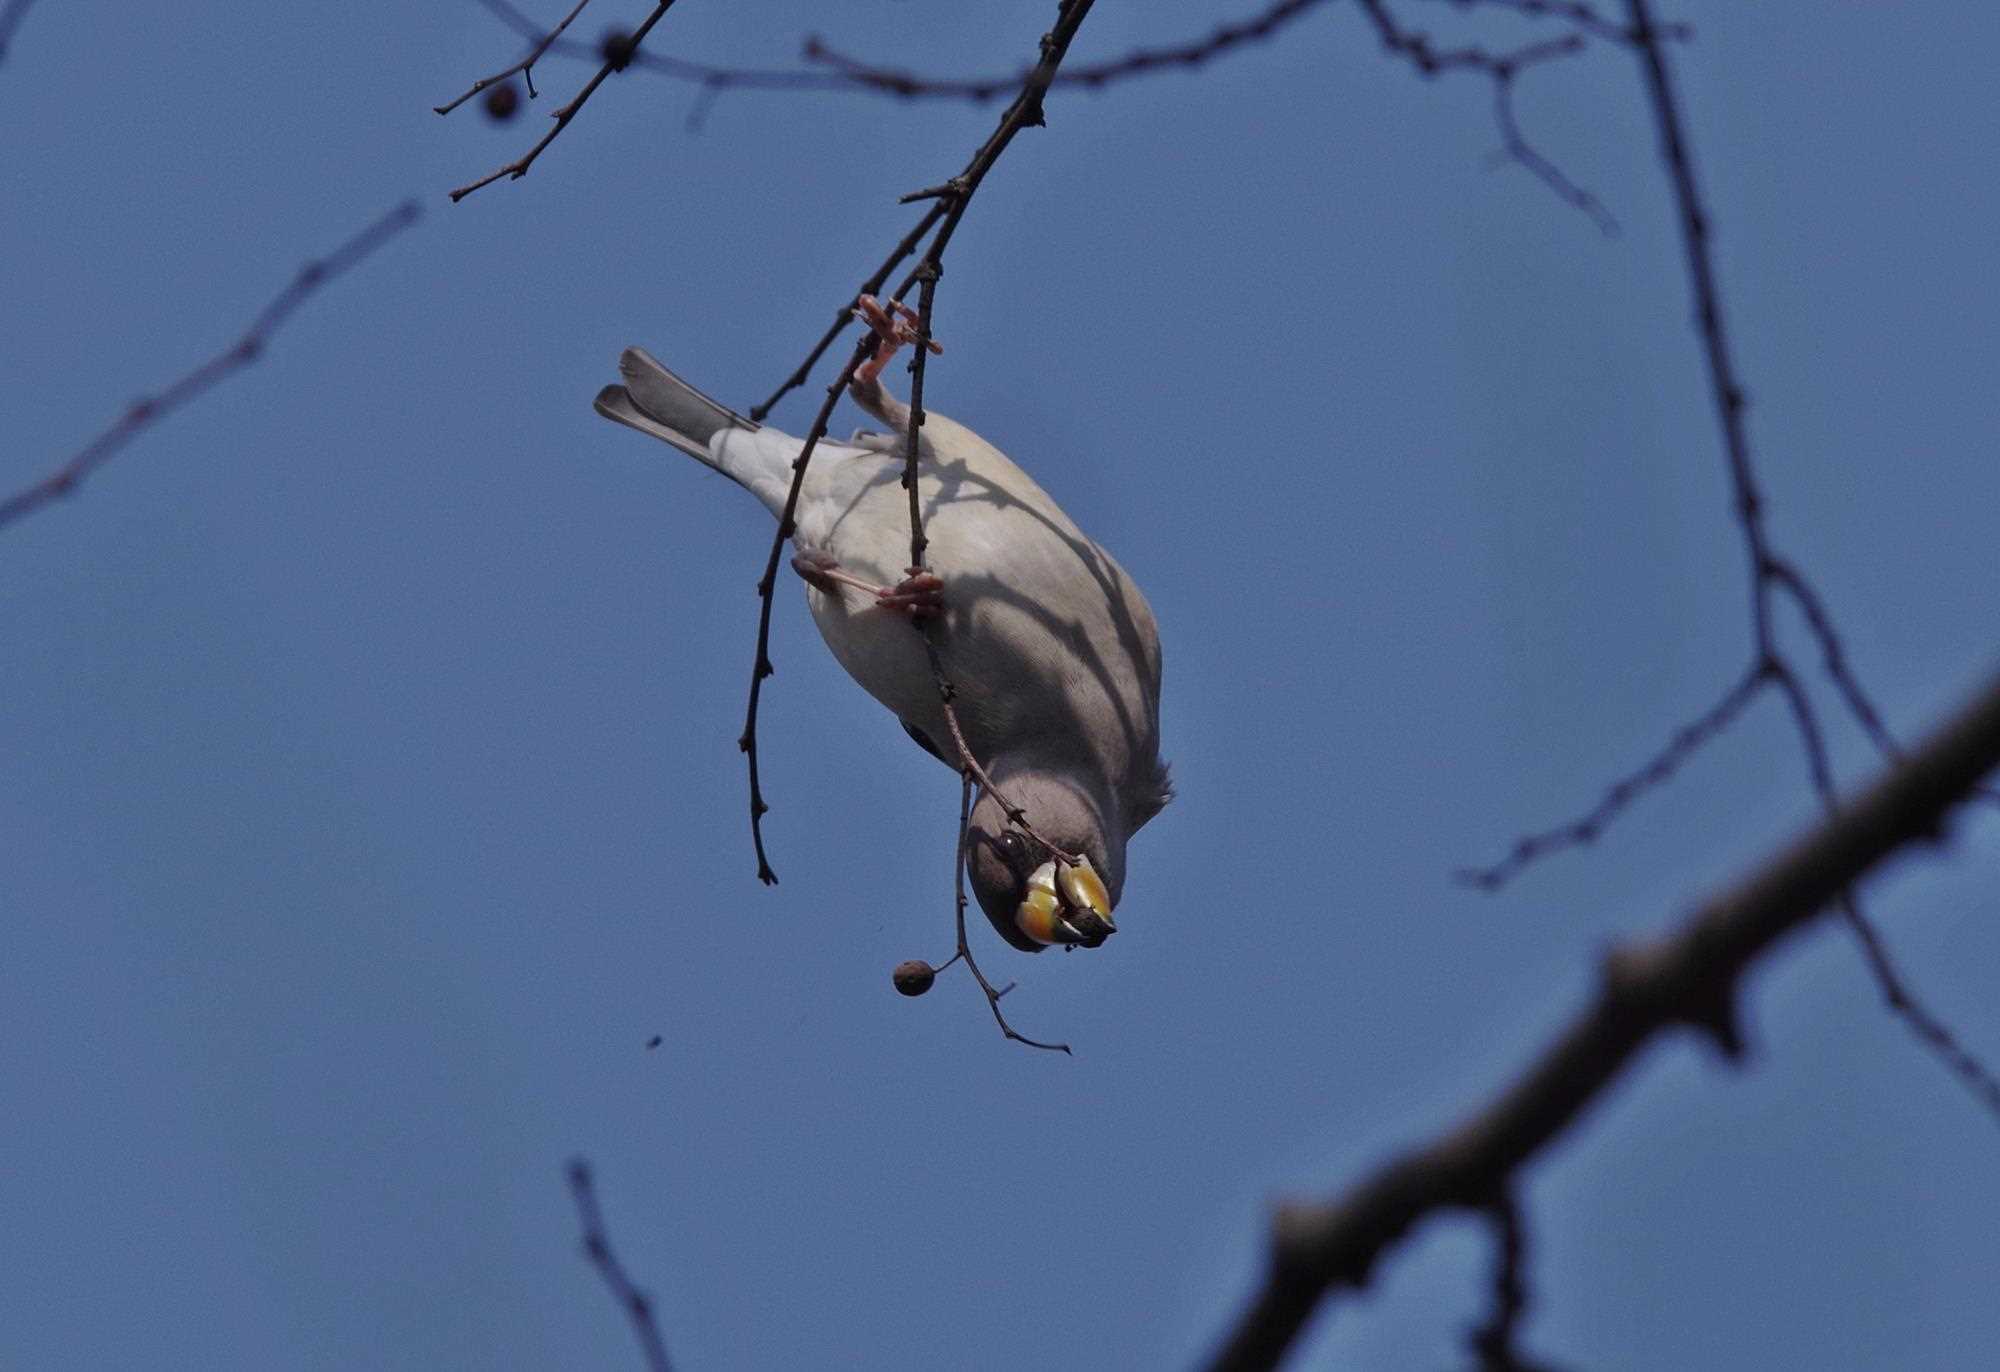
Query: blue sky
{"x":370,"y":795}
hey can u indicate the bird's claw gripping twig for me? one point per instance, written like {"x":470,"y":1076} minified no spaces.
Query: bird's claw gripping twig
{"x":893,"y":327}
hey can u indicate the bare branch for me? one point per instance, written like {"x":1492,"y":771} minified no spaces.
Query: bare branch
{"x":964,"y":953}
{"x":148,"y":410}
{"x":1769,"y":573}
{"x":1686,"y":741}
{"x":526,"y":66}
{"x":1515,"y":147}
{"x":845,"y":315}
{"x":1689,"y":978}
{"x":767,"y":585}
{"x":1415,"y":47}
{"x":617,"y":61}
{"x":852,"y":74}
{"x":1139,"y":61}
{"x":636,"y":1304}
{"x":1579,"y":16}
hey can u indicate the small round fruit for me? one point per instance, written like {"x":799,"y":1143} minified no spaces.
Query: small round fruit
{"x":501,"y":101}
{"x":914,"y":977}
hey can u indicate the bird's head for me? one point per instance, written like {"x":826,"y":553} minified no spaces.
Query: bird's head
{"x":1033,"y":898}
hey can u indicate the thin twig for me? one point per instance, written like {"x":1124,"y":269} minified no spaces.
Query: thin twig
{"x":1415,"y":47}
{"x":525,"y":66}
{"x":1686,"y":741}
{"x":956,"y":196}
{"x":1515,"y":147}
{"x":851,"y":74}
{"x":150,"y":409}
{"x":636,"y":1304}
{"x":518,"y":168}
{"x":1834,"y":657}
{"x":1689,"y":978}
{"x":964,"y":953}
{"x":1578,"y":15}
{"x":1140,"y":61}
{"x":766,"y":588}
{"x":845,"y":315}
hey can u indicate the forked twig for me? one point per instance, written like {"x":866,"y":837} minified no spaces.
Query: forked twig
{"x":518,"y":168}
{"x":964,"y":953}
{"x":526,"y":66}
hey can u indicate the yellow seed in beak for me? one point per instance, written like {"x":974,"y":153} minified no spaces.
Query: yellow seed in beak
{"x":1040,"y":916}
{"x":1040,"y":913}
{"x":1083,"y":889}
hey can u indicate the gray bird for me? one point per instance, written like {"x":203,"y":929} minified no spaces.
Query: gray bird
{"x":1050,"y":647}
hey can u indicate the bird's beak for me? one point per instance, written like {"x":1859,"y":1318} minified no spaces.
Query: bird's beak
{"x":1066,"y":904}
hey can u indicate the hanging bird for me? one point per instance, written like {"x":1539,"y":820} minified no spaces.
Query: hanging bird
{"x":1050,"y":647}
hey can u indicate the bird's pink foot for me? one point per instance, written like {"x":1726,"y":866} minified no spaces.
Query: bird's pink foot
{"x":823,"y":572}
{"x":893,"y":327}
{"x":921,"y":594}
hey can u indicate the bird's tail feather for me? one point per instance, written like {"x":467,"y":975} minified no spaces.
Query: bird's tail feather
{"x":657,"y":403}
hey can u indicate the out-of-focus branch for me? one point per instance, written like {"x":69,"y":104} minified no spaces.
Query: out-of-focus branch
{"x":614,"y":61}
{"x":148,"y":410}
{"x":841,"y":72}
{"x":636,"y":1304}
{"x":1140,"y":61}
{"x":526,"y":66}
{"x":1770,"y":575}
{"x":11,"y":15}
{"x":1494,"y":1341}
{"x":1690,"y":978}
{"x":1577,"y":15}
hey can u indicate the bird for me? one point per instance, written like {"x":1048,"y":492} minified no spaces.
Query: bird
{"x":1052,"y":651}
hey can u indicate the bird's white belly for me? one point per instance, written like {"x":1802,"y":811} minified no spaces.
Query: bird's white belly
{"x":996,"y":573}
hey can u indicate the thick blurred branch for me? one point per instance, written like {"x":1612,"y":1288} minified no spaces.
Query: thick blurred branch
{"x":1689,"y":978}
{"x":148,"y":410}
{"x":11,"y":16}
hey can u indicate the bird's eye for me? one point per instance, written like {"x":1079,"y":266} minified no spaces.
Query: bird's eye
{"x":1013,"y":847}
